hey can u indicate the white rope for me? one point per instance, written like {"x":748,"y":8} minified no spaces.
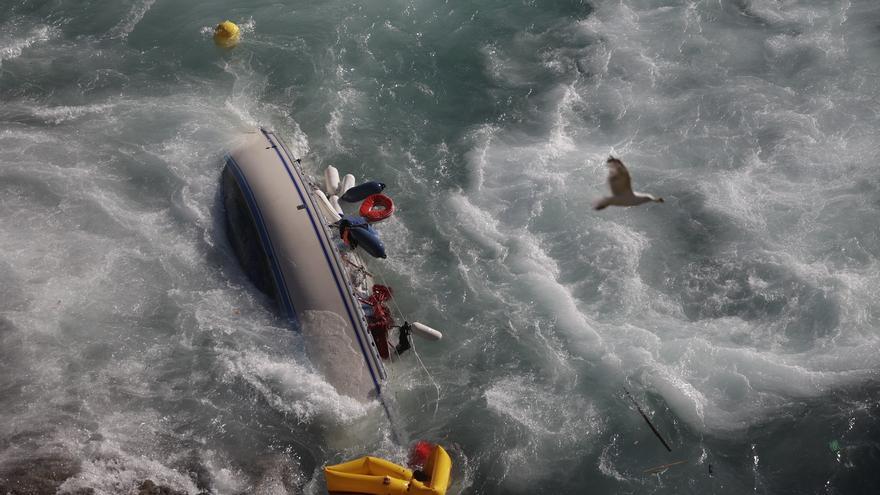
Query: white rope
{"x":418,"y":357}
{"x":430,"y":377}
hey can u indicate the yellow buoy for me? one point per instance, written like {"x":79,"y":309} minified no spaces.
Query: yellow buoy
{"x":226,"y":34}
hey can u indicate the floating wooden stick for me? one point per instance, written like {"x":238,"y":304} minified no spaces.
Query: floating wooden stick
{"x":645,"y":416}
{"x":662,"y":467}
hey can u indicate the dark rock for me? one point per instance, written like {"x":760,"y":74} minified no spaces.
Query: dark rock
{"x":36,"y":475}
{"x":150,"y":488}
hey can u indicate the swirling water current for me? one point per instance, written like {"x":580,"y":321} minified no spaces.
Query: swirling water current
{"x":742,"y":314}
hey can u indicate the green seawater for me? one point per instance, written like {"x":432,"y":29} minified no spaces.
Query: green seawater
{"x":742,"y":313}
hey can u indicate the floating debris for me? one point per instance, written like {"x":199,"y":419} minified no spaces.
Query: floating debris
{"x":662,"y":467}
{"x":645,"y":416}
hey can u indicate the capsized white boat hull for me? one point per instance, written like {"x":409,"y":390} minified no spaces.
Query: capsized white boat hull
{"x":303,"y":268}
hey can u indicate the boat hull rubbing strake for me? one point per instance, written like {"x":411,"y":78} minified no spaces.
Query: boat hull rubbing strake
{"x":281,"y":239}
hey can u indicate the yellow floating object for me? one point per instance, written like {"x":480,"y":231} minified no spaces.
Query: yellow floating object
{"x":227,"y":34}
{"x":371,"y":475}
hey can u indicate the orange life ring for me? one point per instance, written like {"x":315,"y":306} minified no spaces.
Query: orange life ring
{"x":377,"y":207}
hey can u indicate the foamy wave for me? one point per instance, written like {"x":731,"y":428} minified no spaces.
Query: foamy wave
{"x":14,"y":48}
{"x":60,"y":114}
{"x":293,"y":388}
{"x":123,"y":454}
{"x":556,"y":425}
{"x":127,"y":25}
{"x":721,"y":299}
{"x":345,"y":99}
{"x":112,"y":473}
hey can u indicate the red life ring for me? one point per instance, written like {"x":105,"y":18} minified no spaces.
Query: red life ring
{"x":377,"y":207}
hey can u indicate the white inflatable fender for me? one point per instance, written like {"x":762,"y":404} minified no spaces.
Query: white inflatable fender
{"x":334,"y":201}
{"x":331,"y":179}
{"x":425,"y":332}
{"x":346,"y":184}
{"x":324,"y":204}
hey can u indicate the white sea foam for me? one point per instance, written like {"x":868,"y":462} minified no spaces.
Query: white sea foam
{"x":749,"y":292}
{"x":10,"y":49}
{"x":109,"y":473}
{"x":763,"y":153}
{"x":294,"y":388}
{"x":61,"y":114}
{"x":135,"y":15}
{"x":347,"y":102}
{"x":554,"y":427}
{"x":122,"y":454}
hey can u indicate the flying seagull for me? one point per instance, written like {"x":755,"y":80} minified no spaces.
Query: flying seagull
{"x":621,"y":188}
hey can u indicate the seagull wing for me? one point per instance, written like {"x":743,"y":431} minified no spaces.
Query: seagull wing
{"x":601,"y":204}
{"x":618,"y":178}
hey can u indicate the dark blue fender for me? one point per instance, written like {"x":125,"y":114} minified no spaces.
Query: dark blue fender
{"x":360,"y":192}
{"x":362,"y":234}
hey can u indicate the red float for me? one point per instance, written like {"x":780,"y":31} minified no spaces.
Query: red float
{"x":377,"y":207}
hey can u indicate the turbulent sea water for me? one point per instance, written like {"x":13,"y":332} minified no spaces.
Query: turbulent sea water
{"x":742,"y":314}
